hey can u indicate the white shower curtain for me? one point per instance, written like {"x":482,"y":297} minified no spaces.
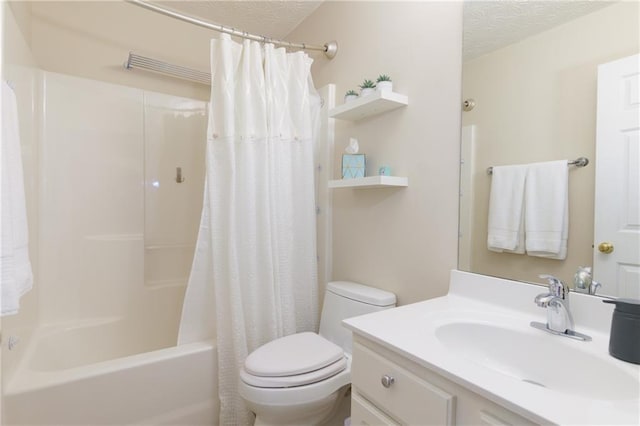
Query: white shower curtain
{"x":256,"y":250}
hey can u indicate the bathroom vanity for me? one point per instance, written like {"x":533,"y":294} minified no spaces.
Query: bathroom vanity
{"x":472,"y":358}
{"x":415,"y":395}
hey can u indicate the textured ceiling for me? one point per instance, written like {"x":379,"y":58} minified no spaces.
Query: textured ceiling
{"x":490,"y":25}
{"x":275,"y":18}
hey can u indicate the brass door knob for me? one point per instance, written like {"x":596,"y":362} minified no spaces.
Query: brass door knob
{"x":605,"y":248}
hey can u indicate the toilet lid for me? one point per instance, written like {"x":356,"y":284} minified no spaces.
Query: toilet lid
{"x":297,"y":379}
{"x":292,"y":355}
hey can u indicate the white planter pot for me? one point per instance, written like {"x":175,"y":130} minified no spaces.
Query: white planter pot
{"x":367,"y":91}
{"x":348,"y":98}
{"x":384,"y":86}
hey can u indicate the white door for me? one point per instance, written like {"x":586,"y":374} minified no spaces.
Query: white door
{"x":617,"y":196}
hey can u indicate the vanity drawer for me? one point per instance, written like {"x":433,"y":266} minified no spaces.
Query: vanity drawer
{"x":365,"y":414}
{"x":409,"y":399}
{"x":500,"y":417}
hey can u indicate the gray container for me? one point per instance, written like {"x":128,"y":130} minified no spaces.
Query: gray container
{"x":624,"y":341}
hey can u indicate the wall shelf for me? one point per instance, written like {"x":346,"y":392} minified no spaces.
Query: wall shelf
{"x":370,"y":182}
{"x":366,"y":106}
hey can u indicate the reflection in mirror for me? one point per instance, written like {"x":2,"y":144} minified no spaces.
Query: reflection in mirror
{"x":532,"y":70}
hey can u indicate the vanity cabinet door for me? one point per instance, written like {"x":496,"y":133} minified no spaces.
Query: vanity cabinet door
{"x":365,"y":414}
{"x":398,"y":392}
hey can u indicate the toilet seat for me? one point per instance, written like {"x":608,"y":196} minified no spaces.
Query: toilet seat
{"x":294,"y":360}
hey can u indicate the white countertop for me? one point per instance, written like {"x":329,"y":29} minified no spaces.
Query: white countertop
{"x":411,"y":332}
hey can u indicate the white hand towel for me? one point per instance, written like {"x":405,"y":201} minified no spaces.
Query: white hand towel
{"x":547,"y":209}
{"x":506,"y":216}
{"x":15,"y":266}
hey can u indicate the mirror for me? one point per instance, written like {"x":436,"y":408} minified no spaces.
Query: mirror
{"x":531,"y":69}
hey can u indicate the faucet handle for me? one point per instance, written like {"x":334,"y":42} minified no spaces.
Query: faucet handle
{"x":556,"y":286}
{"x":582,"y":280}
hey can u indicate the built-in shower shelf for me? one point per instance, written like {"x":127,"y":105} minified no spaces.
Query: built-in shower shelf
{"x":370,"y":182}
{"x":367,"y":106}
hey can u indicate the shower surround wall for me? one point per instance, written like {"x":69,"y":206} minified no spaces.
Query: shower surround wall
{"x":117,"y":230}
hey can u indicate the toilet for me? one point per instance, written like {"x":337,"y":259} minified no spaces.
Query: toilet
{"x":301,"y":378}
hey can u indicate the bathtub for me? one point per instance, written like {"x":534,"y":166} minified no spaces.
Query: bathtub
{"x":104,"y":372}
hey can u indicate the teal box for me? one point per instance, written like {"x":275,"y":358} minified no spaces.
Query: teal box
{"x":353,"y":166}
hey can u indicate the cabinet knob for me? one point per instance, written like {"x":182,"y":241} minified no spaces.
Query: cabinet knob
{"x":387,"y":380}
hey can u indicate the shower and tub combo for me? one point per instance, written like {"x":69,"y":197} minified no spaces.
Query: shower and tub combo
{"x":115,"y":235}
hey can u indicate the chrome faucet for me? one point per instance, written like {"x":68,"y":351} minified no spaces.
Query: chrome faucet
{"x":559,"y":319}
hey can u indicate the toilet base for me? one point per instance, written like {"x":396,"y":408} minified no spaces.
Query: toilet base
{"x":311,"y":413}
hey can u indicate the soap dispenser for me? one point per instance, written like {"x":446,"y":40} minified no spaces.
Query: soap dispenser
{"x":624,"y":340}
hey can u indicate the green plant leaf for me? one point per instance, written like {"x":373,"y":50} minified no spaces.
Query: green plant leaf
{"x":367,"y":84}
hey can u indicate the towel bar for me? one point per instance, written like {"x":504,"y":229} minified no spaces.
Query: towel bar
{"x":578,"y":162}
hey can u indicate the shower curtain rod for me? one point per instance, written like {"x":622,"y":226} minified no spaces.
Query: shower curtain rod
{"x":330,"y":49}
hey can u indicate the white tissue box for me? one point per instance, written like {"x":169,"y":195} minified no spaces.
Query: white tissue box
{"x":353,"y":166}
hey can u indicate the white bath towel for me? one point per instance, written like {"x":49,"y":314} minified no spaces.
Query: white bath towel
{"x":15,"y":267}
{"x":547,"y":209}
{"x":506,"y":215}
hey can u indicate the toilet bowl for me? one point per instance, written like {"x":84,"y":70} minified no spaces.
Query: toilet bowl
{"x":301,"y":378}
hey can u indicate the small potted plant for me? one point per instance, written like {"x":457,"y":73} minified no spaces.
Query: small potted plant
{"x":350,"y":95}
{"x":367,"y":87}
{"x":384,"y":83}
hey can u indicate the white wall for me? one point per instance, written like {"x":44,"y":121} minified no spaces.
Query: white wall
{"x":401,"y":240}
{"x":536,"y":101}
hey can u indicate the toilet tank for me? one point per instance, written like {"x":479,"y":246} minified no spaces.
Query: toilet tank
{"x":344,"y":299}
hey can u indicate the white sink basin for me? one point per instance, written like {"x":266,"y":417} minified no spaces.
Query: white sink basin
{"x":531,"y":356}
